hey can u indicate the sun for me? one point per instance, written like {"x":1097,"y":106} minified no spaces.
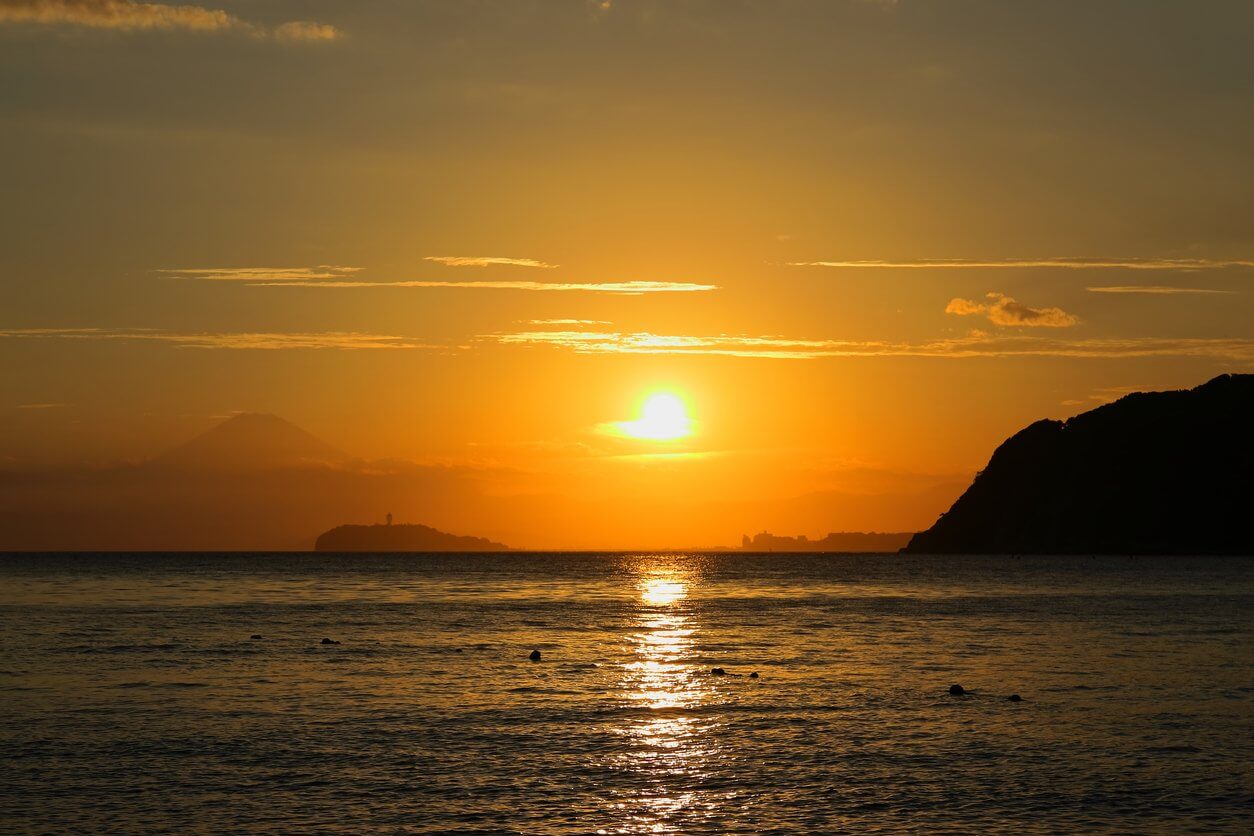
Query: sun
{"x":663,"y":417}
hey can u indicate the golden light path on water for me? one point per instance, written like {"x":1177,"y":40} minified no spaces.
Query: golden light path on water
{"x":670,"y":742}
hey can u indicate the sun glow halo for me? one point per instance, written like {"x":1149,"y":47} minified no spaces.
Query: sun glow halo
{"x":663,"y":417}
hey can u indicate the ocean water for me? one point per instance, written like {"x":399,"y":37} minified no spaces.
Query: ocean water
{"x":132,"y":698}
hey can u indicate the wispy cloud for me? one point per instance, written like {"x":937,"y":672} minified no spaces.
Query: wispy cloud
{"x":1155,"y":290}
{"x":40,"y":405}
{"x":342,"y":340}
{"x":260,"y":274}
{"x":487,"y":261}
{"x":1003,"y":310}
{"x":1065,"y":263}
{"x":591,"y":342}
{"x":305,"y":30}
{"x":576,"y":322}
{"x":130,"y":15}
{"x":632,"y":288}
{"x":330,"y":276}
{"x":974,"y":345}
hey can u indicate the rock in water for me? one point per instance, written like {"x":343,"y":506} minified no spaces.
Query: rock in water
{"x":753,"y":675}
{"x":956,"y":690}
{"x":718,"y":672}
{"x":329,"y":641}
{"x":535,"y":656}
{"x":1015,"y":698}
{"x":254,"y":636}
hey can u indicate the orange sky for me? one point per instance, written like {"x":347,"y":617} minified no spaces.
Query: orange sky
{"x":864,"y":241}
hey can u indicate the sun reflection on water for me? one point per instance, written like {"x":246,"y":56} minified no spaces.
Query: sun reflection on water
{"x":659,"y":591}
{"x":670,"y":744}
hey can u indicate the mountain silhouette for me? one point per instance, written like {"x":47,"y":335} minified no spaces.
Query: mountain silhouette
{"x":251,"y":441}
{"x":400,"y":538}
{"x":1151,"y":473}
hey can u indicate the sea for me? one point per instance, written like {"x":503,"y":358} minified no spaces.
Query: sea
{"x":144,"y":693}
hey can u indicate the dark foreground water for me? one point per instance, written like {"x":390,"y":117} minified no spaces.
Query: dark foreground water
{"x":132,"y":697}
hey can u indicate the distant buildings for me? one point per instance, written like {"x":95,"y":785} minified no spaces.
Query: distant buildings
{"x":837,"y":541}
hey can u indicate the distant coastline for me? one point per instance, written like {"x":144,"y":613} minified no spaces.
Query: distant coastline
{"x":836,"y":541}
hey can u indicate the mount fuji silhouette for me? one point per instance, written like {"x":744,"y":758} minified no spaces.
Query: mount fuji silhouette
{"x":251,"y":441}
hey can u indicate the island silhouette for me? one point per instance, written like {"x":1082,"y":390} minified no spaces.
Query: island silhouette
{"x":400,"y":538}
{"x":1151,"y":473}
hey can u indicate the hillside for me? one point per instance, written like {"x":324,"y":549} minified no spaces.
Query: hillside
{"x":1151,"y":473}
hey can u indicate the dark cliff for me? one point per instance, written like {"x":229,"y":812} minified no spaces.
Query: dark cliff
{"x":400,"y":538}
{"x":1151,"y":473}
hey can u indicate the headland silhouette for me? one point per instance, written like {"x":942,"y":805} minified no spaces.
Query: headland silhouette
{"x":1151,"y":473}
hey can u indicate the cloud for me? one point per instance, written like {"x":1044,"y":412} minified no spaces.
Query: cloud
{"x":305,"y":30}
{"x":260,"y":274}
{"x":487,"y":261}
{"x":130,"y":15}
{"x":116,"y":14}
{"x":568,"y":322}
{"x":632,"y":288}
{"x":1065,"y":263}
{"x":591,"y":342}
{"x":1154,"y":290}
{"x":965,"y":307}
{"x":332,"y":276}
{"x":1003,"y":310}
{"x":343,"y":340}
{"x":40,"y":405}
{"x":974,"y":345}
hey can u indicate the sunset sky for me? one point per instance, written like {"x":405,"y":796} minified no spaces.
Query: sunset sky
{"x":860,"y":242}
